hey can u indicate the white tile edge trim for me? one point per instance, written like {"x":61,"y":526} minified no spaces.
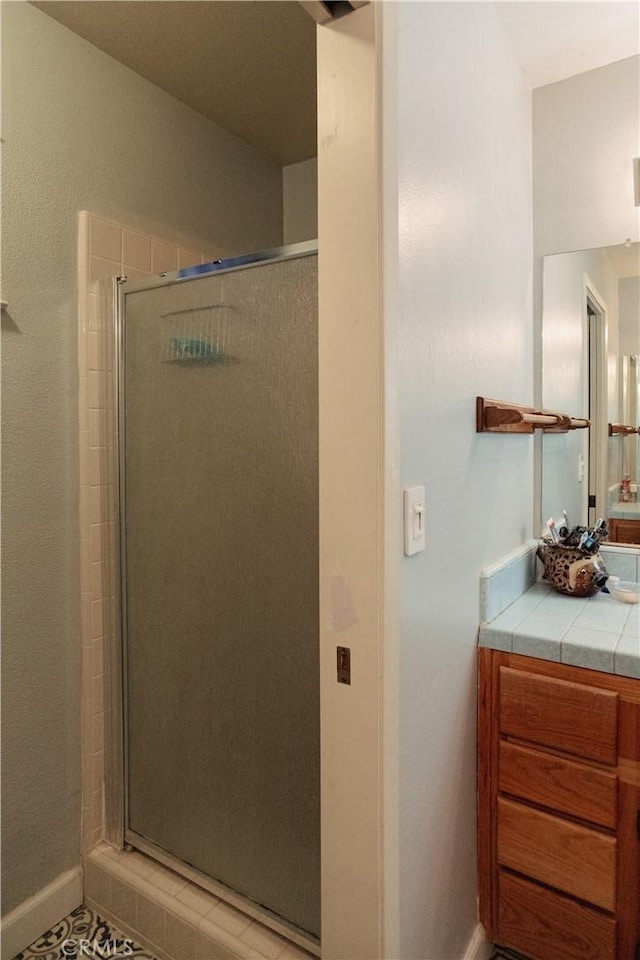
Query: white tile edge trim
{"x":478,"y":948}
{"x":40,"y":912}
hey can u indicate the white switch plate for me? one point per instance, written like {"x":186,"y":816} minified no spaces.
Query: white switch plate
{"x":414,"y":520}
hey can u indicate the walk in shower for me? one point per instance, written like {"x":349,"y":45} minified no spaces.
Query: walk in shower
{"x":218,"y":508}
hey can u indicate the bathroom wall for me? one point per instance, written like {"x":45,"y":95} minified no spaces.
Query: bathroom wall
{"x":629,"y":317}
{"x":79,"y":131}
{"x":300,"y":201}
{"x":462,"y":118}
{"x":585,"y":135}
{"x":356,"y":830}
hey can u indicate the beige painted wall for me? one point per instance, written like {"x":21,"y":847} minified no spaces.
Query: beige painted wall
{"x":352,"y":489}
{"x":300,"y":201}
{"x":79,"y":131}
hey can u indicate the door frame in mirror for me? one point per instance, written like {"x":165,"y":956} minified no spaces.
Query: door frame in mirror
{"x":595,"y":341}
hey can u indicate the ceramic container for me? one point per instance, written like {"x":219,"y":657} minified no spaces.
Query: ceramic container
{"x":571,"y":571}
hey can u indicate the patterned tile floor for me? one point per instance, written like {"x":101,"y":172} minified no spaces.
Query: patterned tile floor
{"x":83,"y":934}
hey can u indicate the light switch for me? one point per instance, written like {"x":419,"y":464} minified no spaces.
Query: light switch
{"x":414,"y":520}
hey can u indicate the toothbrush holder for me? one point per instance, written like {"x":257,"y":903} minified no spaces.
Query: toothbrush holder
{"x":572,"y":572}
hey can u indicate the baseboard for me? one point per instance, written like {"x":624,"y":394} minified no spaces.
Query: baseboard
{"x":39,"y":913}
{"x":478,"y":948}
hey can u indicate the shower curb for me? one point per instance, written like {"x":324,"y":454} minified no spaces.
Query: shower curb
{"x":172,"y":917}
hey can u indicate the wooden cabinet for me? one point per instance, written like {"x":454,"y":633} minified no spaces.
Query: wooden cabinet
{"x":558,"y":809}
{"x":624,"y":531}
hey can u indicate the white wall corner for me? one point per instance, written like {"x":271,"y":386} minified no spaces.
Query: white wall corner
{"x":478,"y":947}
{"x":40,"y":912}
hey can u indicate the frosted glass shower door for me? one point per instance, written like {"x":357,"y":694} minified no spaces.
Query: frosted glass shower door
{"x":220,"y":538}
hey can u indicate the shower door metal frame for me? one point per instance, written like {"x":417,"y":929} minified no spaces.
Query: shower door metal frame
{"x":117,"y":831}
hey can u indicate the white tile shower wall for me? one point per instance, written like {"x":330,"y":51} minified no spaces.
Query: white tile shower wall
{"x":105,"y":249}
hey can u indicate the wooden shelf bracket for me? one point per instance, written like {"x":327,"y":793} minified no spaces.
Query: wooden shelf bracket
{"x":496,"y":416}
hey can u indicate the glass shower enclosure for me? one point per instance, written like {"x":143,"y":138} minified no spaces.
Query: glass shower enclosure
{"x":218,"y":495}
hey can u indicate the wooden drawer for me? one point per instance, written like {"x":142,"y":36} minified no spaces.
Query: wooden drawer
{"x":624,"y":531}
{"x":558,"y":783}
{"x":548,"y":926}
{"x":568,"y":857}
{"x":571,"y":717}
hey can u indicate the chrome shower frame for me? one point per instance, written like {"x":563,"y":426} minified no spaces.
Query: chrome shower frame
{"x":116,"y":818}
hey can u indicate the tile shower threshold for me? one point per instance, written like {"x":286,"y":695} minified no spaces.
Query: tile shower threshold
{"x":152,"y":901}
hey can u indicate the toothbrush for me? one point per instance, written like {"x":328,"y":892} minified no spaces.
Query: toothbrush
{"x":551,"y":524}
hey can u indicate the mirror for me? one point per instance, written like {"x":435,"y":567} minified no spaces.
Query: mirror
{"x":623,"y":506}
{"x":590,"y":368}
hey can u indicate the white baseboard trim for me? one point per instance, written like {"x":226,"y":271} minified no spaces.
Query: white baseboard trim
{"x":40,"y":912}
{"x":477,"y":948}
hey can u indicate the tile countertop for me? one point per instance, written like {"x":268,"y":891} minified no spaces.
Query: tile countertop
{"x":624,"y":511}
{"x":599,"y":633}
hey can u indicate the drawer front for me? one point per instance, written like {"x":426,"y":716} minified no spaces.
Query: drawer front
{"x":571,"y":717}
{"x":571,"y":858}
{"x":548,"y":926}
{"x":561,"y":784}
{"x":625,"y":531}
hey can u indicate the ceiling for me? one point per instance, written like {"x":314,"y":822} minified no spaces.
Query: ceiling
{"x":250,"y":65}
{"x":554,"y":41}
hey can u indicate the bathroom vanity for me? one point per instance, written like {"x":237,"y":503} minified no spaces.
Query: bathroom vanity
{"x":559,"y":764}
{"x":624,"y":523}
{"x":559,"y":808}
